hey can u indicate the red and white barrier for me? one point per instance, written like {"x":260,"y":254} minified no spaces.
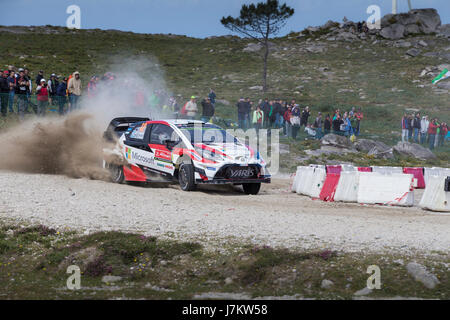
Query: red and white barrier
{"x":435,"y":198}
{"x":387,"y":170}
{"x":329,"y":187}
{"x":347,"y":188}
{"x":418,"y":176}
{"x":386,"y":189}
{"x":317,"y":181}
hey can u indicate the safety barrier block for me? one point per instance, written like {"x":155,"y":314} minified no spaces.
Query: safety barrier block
{"x":347,"y":188}
{"x":418,"y":175}
{"x":297,"y":178}
{"x":387,"y":170}
{"x":435,"y":198}
{"x":334,"y":169}
{"x":386,"y":189}
{"x":329,"y":187}
{"x":317,"y":181}
{"x":306,"y":176}
{"x":365,"y":169}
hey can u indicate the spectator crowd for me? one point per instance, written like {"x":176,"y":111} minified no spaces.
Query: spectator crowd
{"x":422,"y":130}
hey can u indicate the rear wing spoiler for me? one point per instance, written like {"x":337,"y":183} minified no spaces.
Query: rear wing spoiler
{"x":118,"y":126}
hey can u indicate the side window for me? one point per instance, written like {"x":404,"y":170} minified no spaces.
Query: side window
{"x":160,"y":133}
{"x":138,"y":133}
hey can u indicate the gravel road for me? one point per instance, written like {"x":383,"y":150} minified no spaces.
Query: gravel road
{"x":213,"y":215}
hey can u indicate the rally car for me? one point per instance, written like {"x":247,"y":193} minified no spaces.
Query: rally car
{"x":188,"y":151}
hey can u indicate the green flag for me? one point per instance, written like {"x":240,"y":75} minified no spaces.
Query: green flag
{"x":444,"y":75}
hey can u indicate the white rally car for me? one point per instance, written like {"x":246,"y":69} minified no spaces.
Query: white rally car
{"x":191,"y":152}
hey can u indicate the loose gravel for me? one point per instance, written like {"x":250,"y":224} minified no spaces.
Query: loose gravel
{"x":219,"y":215}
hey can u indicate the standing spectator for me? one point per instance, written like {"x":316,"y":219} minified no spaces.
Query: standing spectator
{"x":39,"y":77}
{"x":416,"y":127}
{"x":12,"y":81}
{"x":346,"y":126}
{"x":190,"y":108}
{"x":287,"y":121}
{"x":443,"y":131}
{"x":405,"y":128}
{"x":212,"y":97}
{"x":337,"y":122}
{"x":74,"y":90}
{"x":359,"y":116}
{"x":92,"y":86}
{"x":207,"y":109}
{"x":61,"y":92}
{"x":327,"y":125}
{"x":295,"y":120}
{"x":4,"y":93}
{"x":424,"y":129}
{"x":278,"y":112}
{"x":410,"y":126}
{"x":42,"y":97}
{"x":30,"y":90}
{"x":21,"y":92}
{"x":272,"y":114}
{"x":432,"y":130}
{"x":305,"y":116}
{"x":258,"y":118}
{"x":318,"y":123}
{"x":242,"y":110}
{"x":265,"y":107}
{"x":248,"y":110}
{"x":352,"y":112}
{"x":52,"y":84}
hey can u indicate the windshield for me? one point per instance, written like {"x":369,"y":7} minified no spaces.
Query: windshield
{"x":206,"y":133}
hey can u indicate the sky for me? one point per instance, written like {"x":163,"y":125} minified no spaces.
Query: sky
{"x":194,"y":18}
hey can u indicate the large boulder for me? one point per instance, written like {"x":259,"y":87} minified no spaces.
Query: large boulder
{"x":393,"y":32}
{"x":376,"y":148}
{"x":444,"y":30}
{"x":396,"y":26}
{"x":414,"y":150}
{"x":338,"y":141}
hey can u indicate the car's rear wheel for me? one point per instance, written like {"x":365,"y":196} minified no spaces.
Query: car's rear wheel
{"x":251,"y":188}
{"x":116,"y":172}
{"x":186,"y":177}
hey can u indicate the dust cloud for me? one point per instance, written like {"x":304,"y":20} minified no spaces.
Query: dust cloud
{"x":73,"y":145}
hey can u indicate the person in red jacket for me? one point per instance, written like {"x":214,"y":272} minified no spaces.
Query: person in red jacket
{"x":287,"y":120}
{"x":432,"y":130}
{"x":42,"y":98}
{"x":442,"y":134}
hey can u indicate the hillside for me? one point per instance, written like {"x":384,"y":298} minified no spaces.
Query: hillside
{"x":316,"y":68}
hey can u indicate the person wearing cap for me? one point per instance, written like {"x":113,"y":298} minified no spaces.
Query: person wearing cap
{"x":21,"y":92}
{"x":42,"y":98}
{"x":191,"y":108}
{"x":39,"y":77}
{"x":61,"y":92}
{"x":4,"y":93}
{"x":74,"y":90}
{"x":52,"y":84}
{"x":12,"y":90}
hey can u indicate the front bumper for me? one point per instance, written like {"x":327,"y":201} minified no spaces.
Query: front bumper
{"x":233,"y":181}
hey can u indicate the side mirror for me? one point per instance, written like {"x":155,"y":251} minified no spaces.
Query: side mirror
{"x":170,"y":144}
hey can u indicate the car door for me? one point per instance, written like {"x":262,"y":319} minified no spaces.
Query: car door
{"x":137,"y":151}
{"x":159,"y":133}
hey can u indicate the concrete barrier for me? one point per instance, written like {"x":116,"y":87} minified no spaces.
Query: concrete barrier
{"x":387,"y":170}
{"x":435,"y":198}
{"x":317,"y":181}
{"x":347,"y":188}
{"x":386,"y":189}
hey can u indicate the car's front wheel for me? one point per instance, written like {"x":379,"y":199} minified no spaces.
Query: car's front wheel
{"x":116,"y":172}
{"x":251,"y":188}
{"x":186,"y":177}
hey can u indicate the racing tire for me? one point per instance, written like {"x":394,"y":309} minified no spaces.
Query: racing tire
{"x":251,"y":188}
{"x":117,"y":175}
{"x":186,"y":177}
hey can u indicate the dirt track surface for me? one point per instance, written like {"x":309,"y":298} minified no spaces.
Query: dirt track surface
{"x":212,"y":215}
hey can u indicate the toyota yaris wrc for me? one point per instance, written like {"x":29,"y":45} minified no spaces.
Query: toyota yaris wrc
{"x":188,"y":151}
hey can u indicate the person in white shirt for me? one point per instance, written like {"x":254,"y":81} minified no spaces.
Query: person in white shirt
{"x":424,"y":124}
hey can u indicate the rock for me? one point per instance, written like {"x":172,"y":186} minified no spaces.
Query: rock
{"x":443,"y":85}
{"x":336,"y":141}
{"x":347,"y":36}
{"x":402,"y":44}
{"x":316,"y":49}
{"x":111,"y":279}
{"x":228,"y":280}
{"x":414,"y":150}
{"x":326,"y":284}
{"x":412,"y":29}
{"x":330,"y":24}
{"x":423,"y":43}
{"x":363,"y":292}
{"x":413,"y":52}
{"x":420,"y":274}
{"x":375,"y":148}
{"x":253,"y":47}
{"x":256,"y":88}
{"x":444,"y":30}
{"x":393,"y":32}
{"x":427,"y":19}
